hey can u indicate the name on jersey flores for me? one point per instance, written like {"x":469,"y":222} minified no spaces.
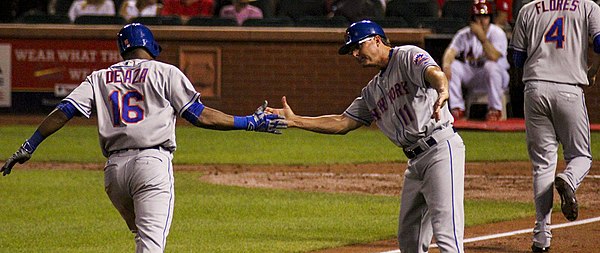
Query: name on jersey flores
{"x":393,"y":93}
{"x":126,"y":76}
{"x":556,"y":5}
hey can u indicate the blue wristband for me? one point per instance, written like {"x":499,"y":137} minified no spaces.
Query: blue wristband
{"x":597,"y":44}
{"x":32,"y":143}
{"x":240,"y":122}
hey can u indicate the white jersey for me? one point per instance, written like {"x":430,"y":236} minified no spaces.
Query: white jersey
{"x":400,"y":100}
{"x":470,"y":50}
{"x":137,"y":102}
{"x":552,"y":33}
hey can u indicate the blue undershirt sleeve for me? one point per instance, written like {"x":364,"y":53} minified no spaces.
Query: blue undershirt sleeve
{"x":67,"y":108}
{"x":519,"y":58}
{"x":193,"y":112}
{"x":597,"y":44}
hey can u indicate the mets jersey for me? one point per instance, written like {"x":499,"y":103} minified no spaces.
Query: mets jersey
{"x":552,"y":33}
{"x":470,"y":50}
{"x":137,"y":102}
{"x":399,"y":99}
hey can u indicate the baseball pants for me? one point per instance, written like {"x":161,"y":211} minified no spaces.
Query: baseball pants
{"x":140,"y":185}
{"x":432,"y":201}
{"x":491,"y":79}
{"x":555,"y":114}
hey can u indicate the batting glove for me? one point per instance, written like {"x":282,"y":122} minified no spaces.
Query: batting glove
{"x":261,"y":122}
{"x":22,"y":155}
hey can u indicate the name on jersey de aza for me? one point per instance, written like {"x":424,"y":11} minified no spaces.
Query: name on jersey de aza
{"x":556,"y":5}
{"x":126,"y":76}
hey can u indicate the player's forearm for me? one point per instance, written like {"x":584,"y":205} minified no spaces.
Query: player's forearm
{"x":490,"y":51}
{"x":448,"y":58}
{"x":52,"y":123}
{"x":326,"y":124}
{"x":214,"y":119}
{"x":436,"y":79}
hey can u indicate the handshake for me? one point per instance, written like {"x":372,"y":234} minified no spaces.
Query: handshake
{"x":261,"y":121}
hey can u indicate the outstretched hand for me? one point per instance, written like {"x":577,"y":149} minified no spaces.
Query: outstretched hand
{"x":266,"y":122}
{"x":285,"y":111}
{"x":20,"y":157}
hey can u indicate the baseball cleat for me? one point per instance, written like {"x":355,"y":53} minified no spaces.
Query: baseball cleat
{"x":568,"y":202}
{"x":538,"y":249}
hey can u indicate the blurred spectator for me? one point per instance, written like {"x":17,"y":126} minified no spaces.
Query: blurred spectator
{"x":31,"y":7}
{"x":240,"y":10}
{"x":138,"y":8}
{"x":8,"y":12}
{"x":476,"y":61}
{"x":504,"y":15}
{"x":356,"y":10}
{"x":186,"y":9}
{"x":59,"y":7}
{"x":91,"y":7}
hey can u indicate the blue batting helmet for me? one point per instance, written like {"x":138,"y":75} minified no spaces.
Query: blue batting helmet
{"x":358,"y":31}
{"x":136,"y":35}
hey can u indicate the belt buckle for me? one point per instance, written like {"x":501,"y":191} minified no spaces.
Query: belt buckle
{"x":410,"y":153}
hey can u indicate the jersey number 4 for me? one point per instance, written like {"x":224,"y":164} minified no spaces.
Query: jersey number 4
{"x":123,"y":108}
{"x":556,"y":33}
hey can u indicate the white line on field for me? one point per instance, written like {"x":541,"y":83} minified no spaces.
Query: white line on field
{"x":522,"y":231}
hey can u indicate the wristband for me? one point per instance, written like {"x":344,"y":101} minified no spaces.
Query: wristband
{"x":32,"y":143}
{"x":240,"y":122}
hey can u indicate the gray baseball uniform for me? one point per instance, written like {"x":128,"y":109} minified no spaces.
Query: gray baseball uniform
{"x":400,"y":101}
{"x":554,"y":35}
{"x":137,"y":102}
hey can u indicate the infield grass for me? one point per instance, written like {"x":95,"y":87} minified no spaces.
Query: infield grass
{"x":67,"y":210}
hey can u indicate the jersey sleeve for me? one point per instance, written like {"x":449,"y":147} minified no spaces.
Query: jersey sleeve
{"x":359,"y":111}
{"x":499,"y":40}
{"x":457,"y":43}
{"x":181,"y":92}
{"x":418,"y":60}
{"x":518,"y":40}
{"x":594,"y":17}
{"x":82,"y":97}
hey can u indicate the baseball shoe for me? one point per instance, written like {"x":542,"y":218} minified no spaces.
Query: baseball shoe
{"x":458,"y":113}
{"x":493,"y":115}
{"x":568,"y":202}
{"x":538,"y":249}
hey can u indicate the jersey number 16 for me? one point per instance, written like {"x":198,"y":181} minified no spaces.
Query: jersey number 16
{"x":123,"y":110}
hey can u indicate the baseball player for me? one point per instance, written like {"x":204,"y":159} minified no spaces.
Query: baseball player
{"x":550,"y":43}
{"x":137,"y":101}
{"x":407,"y":101}
{"x":476,"y":60}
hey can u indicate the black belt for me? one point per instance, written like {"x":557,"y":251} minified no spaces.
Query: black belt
{"x":128,"y":149}
{"x":426,"y":143}
{"x":418,"y":150}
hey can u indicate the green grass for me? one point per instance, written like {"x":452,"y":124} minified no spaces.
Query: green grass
{"x":297,"y":147}
{"x":67,"y":211}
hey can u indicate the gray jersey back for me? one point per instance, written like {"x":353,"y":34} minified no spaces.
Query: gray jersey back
{"x":137,"y":102}
{"x":553,"y":33}
{"x":399,"y":100}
